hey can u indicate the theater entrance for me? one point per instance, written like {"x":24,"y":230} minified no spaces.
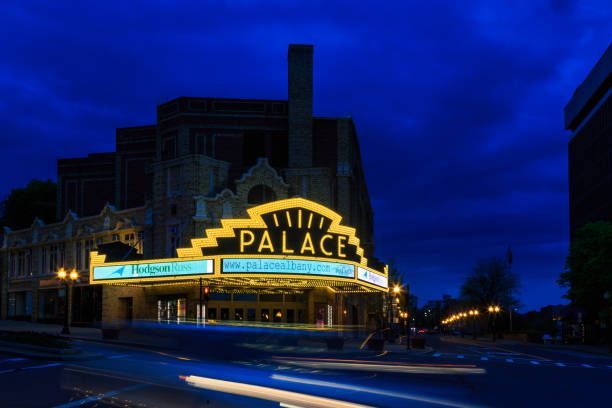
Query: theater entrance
{"x":171,"y":309}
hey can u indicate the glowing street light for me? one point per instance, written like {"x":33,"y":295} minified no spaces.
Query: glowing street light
{"x":494,"y":309}
{"x":68,"y":279}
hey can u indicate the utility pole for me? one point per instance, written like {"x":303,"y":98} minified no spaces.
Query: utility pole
{"x":408,"y":316}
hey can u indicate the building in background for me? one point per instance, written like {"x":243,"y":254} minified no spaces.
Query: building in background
{"x":205,"y":159}
{"x":588,"y":115}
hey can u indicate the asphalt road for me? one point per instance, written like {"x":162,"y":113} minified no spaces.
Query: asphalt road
{"x":454,"y":374}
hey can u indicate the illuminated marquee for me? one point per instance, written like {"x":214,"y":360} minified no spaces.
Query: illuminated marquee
{"x":292,"y":227}
{"x":145,"y":270}
{"x":287,"y":266}
{"x":372,"y":277}
{"x":293,"y":241}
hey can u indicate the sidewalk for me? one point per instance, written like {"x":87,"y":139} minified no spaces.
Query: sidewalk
{"x":126,"y":337}
{"x":85,"y":333}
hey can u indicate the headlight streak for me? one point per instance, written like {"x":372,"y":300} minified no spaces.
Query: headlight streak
{"x":377,"y":366}
{"x":369,"y":390}
{"x":286,"y":398}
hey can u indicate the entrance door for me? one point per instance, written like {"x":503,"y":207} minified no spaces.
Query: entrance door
{"x":320,"y":314}
{"x":171,"y":309}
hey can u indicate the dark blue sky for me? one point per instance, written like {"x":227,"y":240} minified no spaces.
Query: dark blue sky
{"x":459,"y":106}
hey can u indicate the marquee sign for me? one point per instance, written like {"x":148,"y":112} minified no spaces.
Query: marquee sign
{"x":145,"y":270}
{"x":287,"y":242}
{"x":372,"y":277}
{"x":288,"y":228}
{"x":287,"y":266}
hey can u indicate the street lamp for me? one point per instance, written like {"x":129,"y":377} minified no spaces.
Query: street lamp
{"x":474,"y":313}
{"x":390,"y":304}
{"x":67,"y":278}
{"x":494,"y":309}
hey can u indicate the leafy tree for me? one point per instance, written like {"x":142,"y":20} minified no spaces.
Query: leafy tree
{"x":588,"y":268}
{"x":37,"y":199}
{"x":491,"y":282}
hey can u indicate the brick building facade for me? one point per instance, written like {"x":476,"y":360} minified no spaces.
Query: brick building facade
{"x":205,"y":159}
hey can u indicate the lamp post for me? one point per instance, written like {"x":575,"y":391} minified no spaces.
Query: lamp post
{"x":494,"y":310}
{"x":68,"y":279}
{"x":390,"y":315}
{"x":474,"y":313}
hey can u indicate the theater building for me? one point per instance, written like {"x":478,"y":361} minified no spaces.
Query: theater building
{"x":258,"y":201}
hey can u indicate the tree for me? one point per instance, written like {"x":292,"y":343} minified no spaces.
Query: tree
{"x":37,"y":199}
{"x":491,"y":283}
{"x":588,"y":269}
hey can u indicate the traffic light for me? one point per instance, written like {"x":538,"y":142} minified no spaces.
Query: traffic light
{"x":206,"y":293}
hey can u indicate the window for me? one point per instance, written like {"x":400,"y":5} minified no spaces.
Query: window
{"x":224,"y":313}
{"x":277,"y":315}
{"x":173,"y":180}
{"x":79,"y":255}
{"x":265,"y":315}
{"x":210,"y":145}
{"x":89,"y":246}
{"x":169,"y":147}
{"x":173,"y":240}
{"x":201,"y":141}
{"x":261,"y":194}
{"x":238,"y":314}
{"x":251,"y":315}
{"x":44,"y":261}
{"x":61,"y":255}
{"x":115,"y":237}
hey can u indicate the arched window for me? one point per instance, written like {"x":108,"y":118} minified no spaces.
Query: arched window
{"x":260,"y":194}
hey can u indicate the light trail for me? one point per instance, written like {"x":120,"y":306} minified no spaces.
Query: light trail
{"x":370,"y":390}
{"x":377,"y":366}
{"x":286,"y":398}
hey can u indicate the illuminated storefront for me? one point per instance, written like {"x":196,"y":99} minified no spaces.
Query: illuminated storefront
{"x":290,"y":261}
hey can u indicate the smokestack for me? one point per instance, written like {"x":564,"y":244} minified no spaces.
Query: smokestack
{"x":300,"y":105}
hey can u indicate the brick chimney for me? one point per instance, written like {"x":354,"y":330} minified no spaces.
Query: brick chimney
{"x":300,"y":105}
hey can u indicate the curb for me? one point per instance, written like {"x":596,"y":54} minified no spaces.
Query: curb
{"x":124,"y":344}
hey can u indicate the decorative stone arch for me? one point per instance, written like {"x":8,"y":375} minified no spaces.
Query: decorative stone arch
{"x":230,"y":204}
{"x":261,"y":179}
{"x":260,"y":194}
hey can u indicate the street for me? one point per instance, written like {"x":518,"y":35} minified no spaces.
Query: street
{"x":456,"y":372}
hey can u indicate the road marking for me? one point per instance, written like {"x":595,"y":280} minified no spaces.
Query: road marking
{"x":534,"y":362}
{"x":518,"y":352}
{"x":41,"y":366}
{"x":437,"y":355}
{"x":460,"y":356}
{"x":93,"y":398}
{"x":10,"y":360}
{"x":560,"y":364}
{"x":587,"y":365}
{"x":509,"y":360}
{"x":484,"y":358}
